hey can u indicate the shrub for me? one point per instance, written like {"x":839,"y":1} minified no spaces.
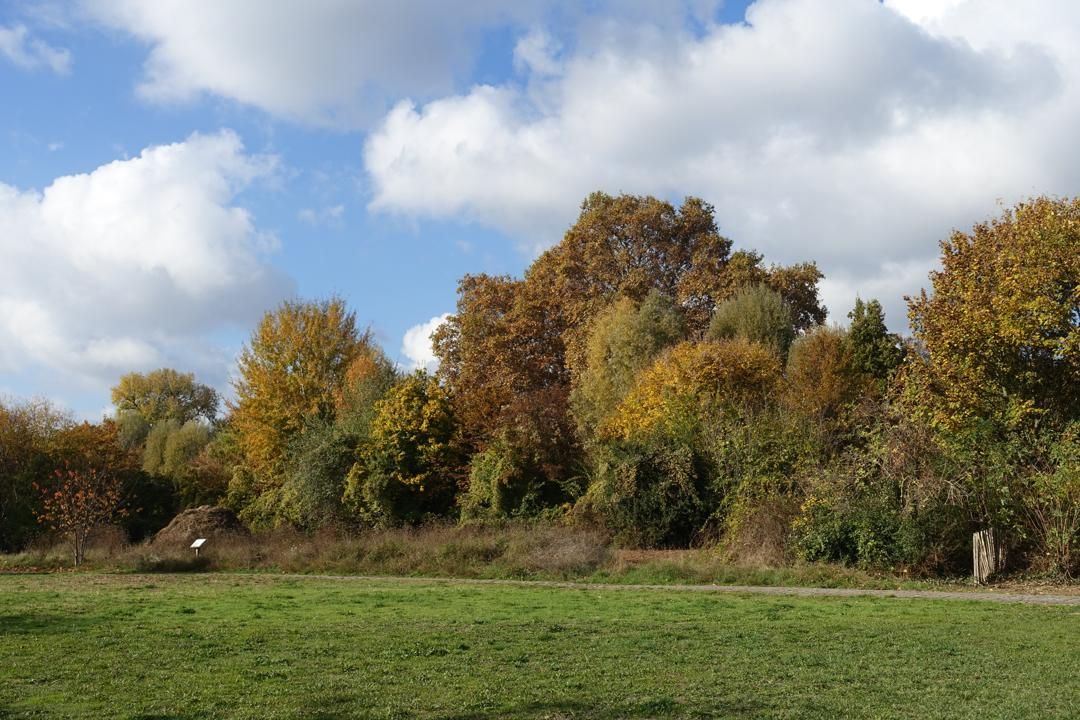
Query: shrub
{"x":651,"y":495}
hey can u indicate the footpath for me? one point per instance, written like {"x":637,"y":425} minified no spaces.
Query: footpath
{"x":997,"y":596}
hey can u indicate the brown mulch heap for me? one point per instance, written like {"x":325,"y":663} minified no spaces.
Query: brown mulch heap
{"x":205,"y":521}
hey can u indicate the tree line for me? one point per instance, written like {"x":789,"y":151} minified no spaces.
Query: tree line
{"x":646,"y":377}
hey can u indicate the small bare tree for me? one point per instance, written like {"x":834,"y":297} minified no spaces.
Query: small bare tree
{"x":77,"y":502}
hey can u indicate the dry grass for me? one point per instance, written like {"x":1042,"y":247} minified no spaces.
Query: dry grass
{"x":515,"y":550}
{"x":523,"y":550}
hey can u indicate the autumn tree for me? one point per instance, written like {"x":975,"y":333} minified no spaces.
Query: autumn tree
{"x":291,"y":373}
{"x":367,"y":379}
{"x":165,"y":394}
{"x":623,"y":340}
{"x":408,"y":469}
{"x":26,"y":432}
{"x":693,"y":378}
{"x":98,"y":447}
{"x":515,"y":344}
{"x":77,"y":501}
{"x":1001,"y":328}
{"x":503,"y":364}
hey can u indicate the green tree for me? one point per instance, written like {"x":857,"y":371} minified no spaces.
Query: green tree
{"x":319,"y":462}
{"x":874,"y":350}
{"x":165,"y":394}
{"x":756,"y":314}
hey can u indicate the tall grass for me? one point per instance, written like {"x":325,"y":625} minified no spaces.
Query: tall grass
{"x":512,"y":550}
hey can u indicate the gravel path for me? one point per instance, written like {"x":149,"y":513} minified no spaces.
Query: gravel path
{"x":972,"y":595}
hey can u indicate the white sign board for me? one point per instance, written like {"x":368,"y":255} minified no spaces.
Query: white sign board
{"x":198,"y":543}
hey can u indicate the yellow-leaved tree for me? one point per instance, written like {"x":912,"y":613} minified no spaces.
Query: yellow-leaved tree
{"x":1001,"y":329}
{"x":291,"y":375}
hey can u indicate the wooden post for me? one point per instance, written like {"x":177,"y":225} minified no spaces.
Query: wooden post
{"x":988,"y":555}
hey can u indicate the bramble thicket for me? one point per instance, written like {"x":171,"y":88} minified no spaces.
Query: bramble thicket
{"x":642,"y":377}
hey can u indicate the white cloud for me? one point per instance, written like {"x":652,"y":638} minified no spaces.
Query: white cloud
{"x":416,"y":345}
{"x":342,"y":62}
{"x":20,"y":47}
{"x":537,"y":53}
{"x":845,"y":132}
{"x":322,"y":61}
{"x":136,"y":264}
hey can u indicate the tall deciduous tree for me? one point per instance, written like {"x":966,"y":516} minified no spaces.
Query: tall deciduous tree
{"x":514,"y":345}
{"x":291,"y":374}
{"x":165,"y":394}
{"x":1001,"y":328}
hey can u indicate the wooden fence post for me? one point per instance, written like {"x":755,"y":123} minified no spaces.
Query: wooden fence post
{"x":988,"y":555}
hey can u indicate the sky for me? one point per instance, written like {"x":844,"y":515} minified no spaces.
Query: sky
{"x":171,"y":170}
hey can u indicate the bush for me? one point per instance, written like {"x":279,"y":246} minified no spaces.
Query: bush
{"x":1053,"y":508}
{"x":651,"y":496}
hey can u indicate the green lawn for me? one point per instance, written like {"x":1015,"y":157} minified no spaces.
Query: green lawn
{"x":210,"y":645}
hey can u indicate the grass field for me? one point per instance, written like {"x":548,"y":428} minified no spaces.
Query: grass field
{"x":215,"y":645}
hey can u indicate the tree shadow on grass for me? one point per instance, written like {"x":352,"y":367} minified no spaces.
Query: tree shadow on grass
{"x":658,"y":708}
{"x":42,"y":624}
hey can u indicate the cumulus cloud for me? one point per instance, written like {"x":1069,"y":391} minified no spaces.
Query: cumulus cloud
{"x":324,"y":61}
{"x":416,"y":345}
{"x":20,"y":47}
{"x":851,"y":132}
{"x":340,"y":62}
{"x":136,"y":264}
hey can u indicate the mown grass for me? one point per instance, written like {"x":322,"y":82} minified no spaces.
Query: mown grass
{"x":215,"y":645}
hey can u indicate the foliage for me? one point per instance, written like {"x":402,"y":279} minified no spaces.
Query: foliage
{"x":624,"y":339}
{"x":1001,"y":330}
{"x":408,"y":469}
{"x":875,"y":351}
{"x":89,"y":446}
{"x":291,"y":373}
{"x":650,"y":494}
{"x":171,"y":450}
{"x":367,"y":379}
{"x":757,"y":314}
{"x":692,"y":377}
{"x":1052,"y":505}
{"x":514,"y":345}
{"x":27,"y":430}
{"x":165,"y":394}
{"x":78,"y":501}
{"x":319,"y":460}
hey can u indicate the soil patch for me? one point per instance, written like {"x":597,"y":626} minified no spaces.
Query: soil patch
{"x":205,"y":521}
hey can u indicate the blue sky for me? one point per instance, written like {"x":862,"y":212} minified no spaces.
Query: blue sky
{"x":171,"y":170}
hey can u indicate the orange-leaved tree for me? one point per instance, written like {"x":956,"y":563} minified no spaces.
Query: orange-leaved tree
{"x":77,"y":502}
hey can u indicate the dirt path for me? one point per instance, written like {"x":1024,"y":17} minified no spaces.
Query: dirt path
{"x":973,"y":595}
